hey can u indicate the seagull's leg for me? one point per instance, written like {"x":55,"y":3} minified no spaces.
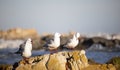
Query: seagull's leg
{"x":26,"y":60}
{"x":53,"y":51}
{"x":71,"y":48}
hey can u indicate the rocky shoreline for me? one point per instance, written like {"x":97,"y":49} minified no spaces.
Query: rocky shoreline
{"x":65,"y":60}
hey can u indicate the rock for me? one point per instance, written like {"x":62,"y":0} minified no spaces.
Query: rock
{"x":116,"y":36}
{"x":91,"y":61}
{"x":115,"y":61}
{"x":77,"y":60}
{"x":108,"y":44}
{"x":100,"y":67}
{"x":41,"y":63}
{"x":12,"y":37}
{"x":65,"y":60}
{"x":57,"y":62}
{"x":18,"y":33}
{"x":5,"y":67}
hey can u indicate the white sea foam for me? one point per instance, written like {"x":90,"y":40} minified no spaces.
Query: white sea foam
{"x":9,"y":45}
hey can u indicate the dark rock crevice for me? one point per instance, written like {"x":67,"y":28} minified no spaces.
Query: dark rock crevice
{"x":47,"y":63}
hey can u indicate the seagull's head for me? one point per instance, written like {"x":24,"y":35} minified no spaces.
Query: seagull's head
{"x":57,"y":34}
{"x":77,"y":35}
{"x":29,"y":40}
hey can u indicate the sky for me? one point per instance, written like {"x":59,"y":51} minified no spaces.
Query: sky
{"x":84,"y":16}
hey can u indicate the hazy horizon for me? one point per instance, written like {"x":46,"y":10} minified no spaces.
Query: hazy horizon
{"x":84,"y":16}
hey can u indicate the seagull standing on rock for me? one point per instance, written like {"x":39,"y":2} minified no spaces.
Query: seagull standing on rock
{"x":72,"y":43}
{"x":25,"y":49}
{"x":54,"y":43}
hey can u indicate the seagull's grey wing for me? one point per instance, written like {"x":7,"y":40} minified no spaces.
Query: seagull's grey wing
{"x":68,"y":41}
{"x":45,"y":45}
{"x":48,"y":42}
{"x":21,"y":49}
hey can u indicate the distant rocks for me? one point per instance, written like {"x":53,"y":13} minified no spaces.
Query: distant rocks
{"x":12,"y":38}
{"x":112,"y":44}
{"x":116,"y":36}
{"x":18,"y":33}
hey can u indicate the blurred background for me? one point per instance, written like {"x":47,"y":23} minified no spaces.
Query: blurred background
{"x":84,"y":16}
{"x":23,"y":19}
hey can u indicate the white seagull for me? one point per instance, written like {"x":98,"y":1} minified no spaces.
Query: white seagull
{"x":25,"y":49}
{"x":72,"y":43}
{"x":53,"y":43}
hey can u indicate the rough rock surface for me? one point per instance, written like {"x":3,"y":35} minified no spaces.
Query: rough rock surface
{"x":5,"y":67}
{"x":65,"y":60}
{"x":100,"y":67}
{"x":115,"y":61}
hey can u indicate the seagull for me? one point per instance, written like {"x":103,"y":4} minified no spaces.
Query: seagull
{"x":54,"y":43}
{"x":25,"y":49}
{"x":72,"y":43}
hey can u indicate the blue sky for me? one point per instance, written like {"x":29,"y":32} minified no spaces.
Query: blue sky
{"x":84,"y":16}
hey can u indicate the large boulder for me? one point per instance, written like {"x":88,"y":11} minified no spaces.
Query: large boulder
{"x":65,"y":60}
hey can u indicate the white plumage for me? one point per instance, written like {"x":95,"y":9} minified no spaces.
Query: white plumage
{"x":26,"y":48}
{"x":55,"y":42}
{"x":72,"y":43}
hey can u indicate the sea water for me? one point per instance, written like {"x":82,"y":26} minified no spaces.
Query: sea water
{"x":102,"y":56}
